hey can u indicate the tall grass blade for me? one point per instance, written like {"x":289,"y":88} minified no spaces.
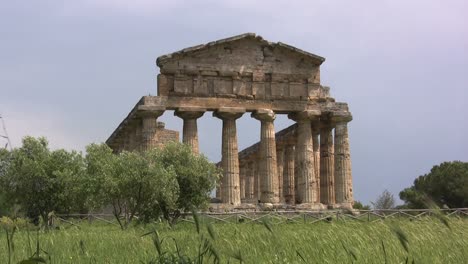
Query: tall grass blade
{"x":267,"y":225}
{"x":196,"y":218}
{"x":400,"y":235}
{"x":300,"y":255}
{"x":385,"y":252}
{"x":211,"y":231}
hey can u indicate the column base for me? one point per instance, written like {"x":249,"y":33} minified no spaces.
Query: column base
{"x":224,"y":207}
{"x":311,"y":206}
{"x":346,"y":206}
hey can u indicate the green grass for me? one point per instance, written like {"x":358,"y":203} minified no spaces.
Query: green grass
{"x":428,"y":241}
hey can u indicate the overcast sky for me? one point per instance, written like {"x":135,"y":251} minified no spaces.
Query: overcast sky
{"x":72,"y":71}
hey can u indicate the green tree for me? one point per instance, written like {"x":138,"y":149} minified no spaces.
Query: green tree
{"x":358,"y":205}
{"x":133,"y":183}
{"x":446,"y":185}
{"x":195,"y":174}
{"x":4,"y":161}
{"x":42,"y":181}
{"x":384,"y":201}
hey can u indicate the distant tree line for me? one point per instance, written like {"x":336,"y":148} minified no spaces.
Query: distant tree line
{"x":157,"y":184}
{"x":445,"y":186}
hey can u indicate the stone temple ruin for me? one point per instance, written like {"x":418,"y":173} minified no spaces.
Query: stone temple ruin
{"x":305,"y":166}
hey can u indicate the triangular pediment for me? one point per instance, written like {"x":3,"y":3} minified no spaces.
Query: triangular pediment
{"x":241,"y":66}
{"x":251,"y":42}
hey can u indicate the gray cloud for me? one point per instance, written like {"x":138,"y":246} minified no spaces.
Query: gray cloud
{"x":75,"y":69}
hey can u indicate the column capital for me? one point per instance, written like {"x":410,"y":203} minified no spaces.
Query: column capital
{"x":341,"y":117}
{"x":264,"y":115}
{"x":232,"y":113}
{"x":189,"y":112}
{"x":305,"y":116}
{"x":153,"y":112}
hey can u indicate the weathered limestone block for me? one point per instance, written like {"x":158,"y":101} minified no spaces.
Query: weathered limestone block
{"x":190,"y":129}
{"x":200,"y":86}
{"x":307,"y":187}
{"x":267,"y":155}
{"x":223,"y":86}
{"x":183,"y":85}
{"x":297,"y":90}
{"x":165,"y":84}
{"x":230,"y":193}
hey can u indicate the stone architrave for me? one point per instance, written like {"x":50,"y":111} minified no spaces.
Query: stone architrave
{"x":327,"y":166}
{"x":343,"y":177}
{"x":230,"y":191}
{"x":307,"y":187}
{"x":149,"y":128}
{"x":190,"y":130}
{"x":288,"y":174}
{"x":279,"y":171}
{"x":267,"y":156}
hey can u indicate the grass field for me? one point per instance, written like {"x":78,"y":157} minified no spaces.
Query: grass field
{"x":427,"y":240}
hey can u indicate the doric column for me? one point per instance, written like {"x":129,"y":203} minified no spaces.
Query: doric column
{"x":256,"y":169}
{"x":219,"y":187}
{"x":279,"y":171}
{"x":267,"y":156}
{"x":343,"y":178}
{"x":249,"y":182}
{"x":307,"y":187}
{"x":242,"y":174}
{"x":149,"y":128}
{"x":288,"y":174}
{"x":327,"y":166}
{"x":190,"y":130}
{"x":316,"y":144}
{"x":230,"y":192}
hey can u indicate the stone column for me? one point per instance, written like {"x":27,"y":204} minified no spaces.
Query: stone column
{"x":288,"y":174}
{"x":190,"y":130}
{"x":327,"y":166}
{"x":316,"y":144}
{"x":256,"y":180}
{"x":230,"y":192}
{"x":249,"y":182}
{"x":219,"y":187}
{"x":343,"y":178}
{"x":149,"y":128}
{"x":267,"y":156}
{"x":307,"y":187}
{"x":242,"y":174}
{"x":279,"y":171}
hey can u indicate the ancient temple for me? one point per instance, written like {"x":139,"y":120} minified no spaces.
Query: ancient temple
{"x":307,"y":165}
